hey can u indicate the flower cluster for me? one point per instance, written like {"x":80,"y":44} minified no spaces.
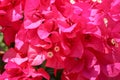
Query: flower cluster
{"x":79,"y":37}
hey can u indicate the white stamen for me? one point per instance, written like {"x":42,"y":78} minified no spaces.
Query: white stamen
{"x":72,"y":1}
{"x":114,"y":42}
{"x":94,"y":0}
{"x":99,"y":1}
{"x":105,"y":21}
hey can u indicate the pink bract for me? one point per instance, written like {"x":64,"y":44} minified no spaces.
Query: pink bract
{"x":81,"y":38}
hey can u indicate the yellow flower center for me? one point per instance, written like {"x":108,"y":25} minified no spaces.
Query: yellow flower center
{"x":56,"y":48}
{"x":114,"y":42}
{"x":50,"y":54}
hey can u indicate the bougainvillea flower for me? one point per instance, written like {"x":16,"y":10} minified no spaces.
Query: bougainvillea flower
{"x":81,"y":38}
{"x":11,"y":19}
{"x":114,"y":11}
{"x":35,"y":56}
{"x":8,"y":55}
{"x":24,"y":71}
{"x":84,"y":68}
{"x":55,"y":54}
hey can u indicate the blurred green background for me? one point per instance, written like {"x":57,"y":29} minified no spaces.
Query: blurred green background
{"x":3,"y":47}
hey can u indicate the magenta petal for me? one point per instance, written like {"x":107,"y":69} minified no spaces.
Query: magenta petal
{"x":19,"y":60}
{"x":44,"y":73}
{"x":19,"y":43}
{"x":90,"y":59}
{"x":42,"y":34}
{"x":35,"y":58}
{"x":77,"y":49}
{"x":31,"y":25}
{"x":112,"y":70}
{"x":92,"y":73}
{"x":55,"y":62}
{"x":11,"y":53}
{"x":38,"y":60}
{"x":69,"y":29}
{"x":73,"y":65}
{"x":10,"y":65}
